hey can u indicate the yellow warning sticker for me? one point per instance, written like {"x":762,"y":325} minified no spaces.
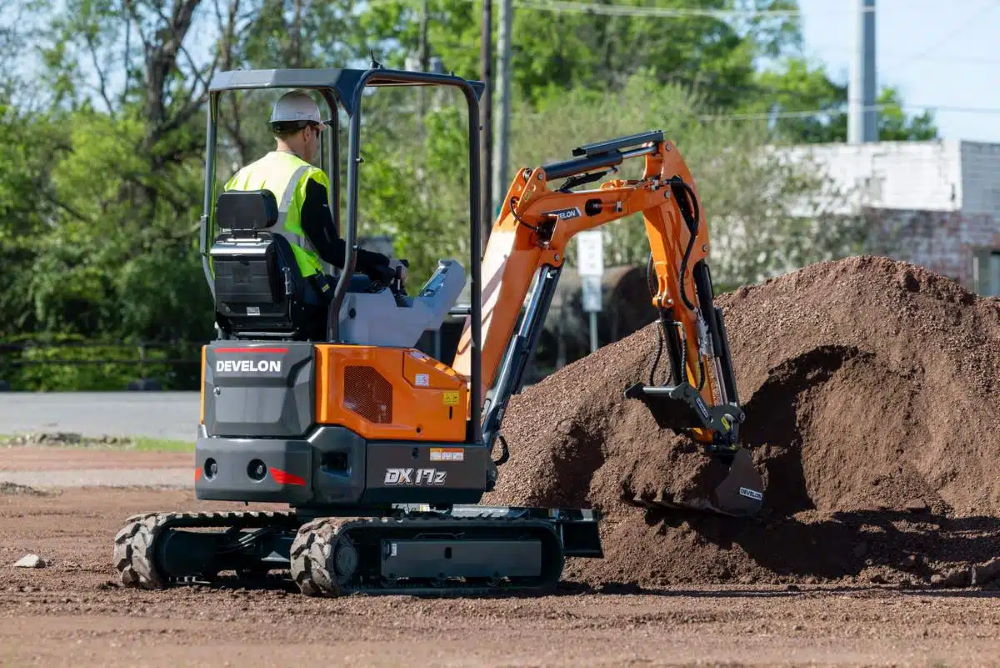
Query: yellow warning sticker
{"x":450,"y":398}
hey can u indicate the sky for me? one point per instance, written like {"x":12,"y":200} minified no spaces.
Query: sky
{"x":937,"y":52}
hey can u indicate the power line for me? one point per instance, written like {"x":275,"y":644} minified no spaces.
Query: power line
{"x":988,"y":6}
{"x":898,"y":56}
{"x":811,"y":113}
{"x":614,"y":9}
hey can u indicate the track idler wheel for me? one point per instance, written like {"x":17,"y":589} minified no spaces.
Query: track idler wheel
{"x":323,"y":560}
{"x":134,"y":553}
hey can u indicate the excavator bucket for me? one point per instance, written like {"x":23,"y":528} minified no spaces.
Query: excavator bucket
{"x":729,"y":484}
{"x":741,"y":492}
{"x":732,"y":488}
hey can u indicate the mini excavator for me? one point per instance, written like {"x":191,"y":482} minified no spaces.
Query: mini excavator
{"x":379,"y":450}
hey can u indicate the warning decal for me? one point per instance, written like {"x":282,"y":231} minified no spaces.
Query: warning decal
{"x":447,"y":454}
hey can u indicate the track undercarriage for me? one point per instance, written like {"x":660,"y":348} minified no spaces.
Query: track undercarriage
{"x":465,"y":549}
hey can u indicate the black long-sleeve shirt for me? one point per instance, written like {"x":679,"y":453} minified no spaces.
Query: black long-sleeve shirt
{"x":317,"y":224}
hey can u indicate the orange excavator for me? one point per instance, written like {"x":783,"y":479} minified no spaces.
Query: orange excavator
{"x":381,"y":451}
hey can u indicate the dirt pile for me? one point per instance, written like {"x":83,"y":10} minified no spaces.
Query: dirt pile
{"x":872,"y":390}
{"x":13,"y":489}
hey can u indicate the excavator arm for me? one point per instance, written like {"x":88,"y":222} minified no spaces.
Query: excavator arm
{"x":527,"y":250}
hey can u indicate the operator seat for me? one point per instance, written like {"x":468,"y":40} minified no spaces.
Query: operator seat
{"x":259,"y":291}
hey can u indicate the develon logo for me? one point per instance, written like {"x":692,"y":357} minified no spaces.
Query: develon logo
{"x":248,"y":366}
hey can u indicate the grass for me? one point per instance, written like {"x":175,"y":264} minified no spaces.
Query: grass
{"x":134,"y":443}
{"x":146,"y":444}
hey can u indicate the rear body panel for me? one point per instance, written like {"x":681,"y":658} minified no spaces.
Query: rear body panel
{"x":258,"y":389}
{"x":390,"y":393}
{"x":335,"y":426}
{"x":333,"y":466}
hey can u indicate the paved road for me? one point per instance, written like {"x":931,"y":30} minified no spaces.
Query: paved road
{"x":165,"y":478}
{"x":172,"y":415}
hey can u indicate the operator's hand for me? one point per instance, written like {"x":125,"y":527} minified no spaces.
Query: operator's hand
{"x":382,"y":274}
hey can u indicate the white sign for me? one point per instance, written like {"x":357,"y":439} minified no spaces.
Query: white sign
{"x":591,"y":293}
{"x":590,"y":253}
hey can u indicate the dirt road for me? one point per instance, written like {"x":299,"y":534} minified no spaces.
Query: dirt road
{"x":72,"y":612}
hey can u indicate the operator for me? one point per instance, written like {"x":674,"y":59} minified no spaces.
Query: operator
{"x":304,"y":217}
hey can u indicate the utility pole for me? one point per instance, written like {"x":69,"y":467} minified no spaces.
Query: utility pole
{"x":425,"y":45}
{"x":424,"y":54}
{"x":486,"y":121}
{"x":502,"y":144}
{"x":862,"y":119}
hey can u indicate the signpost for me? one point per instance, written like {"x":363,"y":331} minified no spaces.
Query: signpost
{"x":590,"y":264}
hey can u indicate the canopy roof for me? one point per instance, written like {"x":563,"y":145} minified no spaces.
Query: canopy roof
{"x":344,"y":82}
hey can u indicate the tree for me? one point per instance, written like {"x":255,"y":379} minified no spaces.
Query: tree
{"x":895,"y":125}
{"x":765,"y":211}
{"x":559,"y":50}
{"x":101,"y":181}
{"x":800,"y":86}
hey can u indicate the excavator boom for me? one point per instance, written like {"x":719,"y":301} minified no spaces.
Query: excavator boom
{"x":528,"y":247}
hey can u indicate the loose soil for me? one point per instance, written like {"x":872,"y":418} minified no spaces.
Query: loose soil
{"x":872,"y":390}
{"x":71,"y":613}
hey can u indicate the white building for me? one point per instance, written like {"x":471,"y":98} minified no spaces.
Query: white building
{"x":934,"y":203}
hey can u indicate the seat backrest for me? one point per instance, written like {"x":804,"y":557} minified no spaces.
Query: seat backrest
{"x":259,"y":291}
{"x":245,"y":212}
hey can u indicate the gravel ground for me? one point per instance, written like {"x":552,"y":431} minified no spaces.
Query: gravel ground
{"x":171,"y":415}
{"x":72,"y":613}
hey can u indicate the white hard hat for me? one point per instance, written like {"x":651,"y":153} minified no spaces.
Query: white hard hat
{"x":296,"y":106}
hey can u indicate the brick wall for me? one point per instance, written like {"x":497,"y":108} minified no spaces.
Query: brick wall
{"x":946,"y":242}
{"x":934,"y":203}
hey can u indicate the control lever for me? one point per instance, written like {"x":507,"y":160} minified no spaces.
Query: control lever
{"x":398,"y":285}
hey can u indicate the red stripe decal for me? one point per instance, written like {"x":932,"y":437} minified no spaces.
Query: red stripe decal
{"x":197,"y":474}
{"x":251,"y":350}
{"x":285,"y":478}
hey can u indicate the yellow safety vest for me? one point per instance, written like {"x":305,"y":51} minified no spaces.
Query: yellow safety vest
{"x":285,"y":175}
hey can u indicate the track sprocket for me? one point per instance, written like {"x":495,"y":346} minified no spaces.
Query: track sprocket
{"x":134,"y":552}
{"x":323,"y":561}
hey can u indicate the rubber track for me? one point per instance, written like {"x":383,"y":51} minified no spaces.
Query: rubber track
{"x":313,"y":550}
{"x":135,"y":543}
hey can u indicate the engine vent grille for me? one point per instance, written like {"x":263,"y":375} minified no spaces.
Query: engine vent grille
{"x":368,"y":394}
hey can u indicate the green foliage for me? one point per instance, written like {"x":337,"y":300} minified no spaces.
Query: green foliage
{"x":147,"y":444}
{"x":764,"y":211}
{"x":70,"y":363}
{"x":895,"y":125}
{"x":556,"y":51}
{"x":101,"y":176}
{"x":798,"y":86}
{"x":802,"y":86}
